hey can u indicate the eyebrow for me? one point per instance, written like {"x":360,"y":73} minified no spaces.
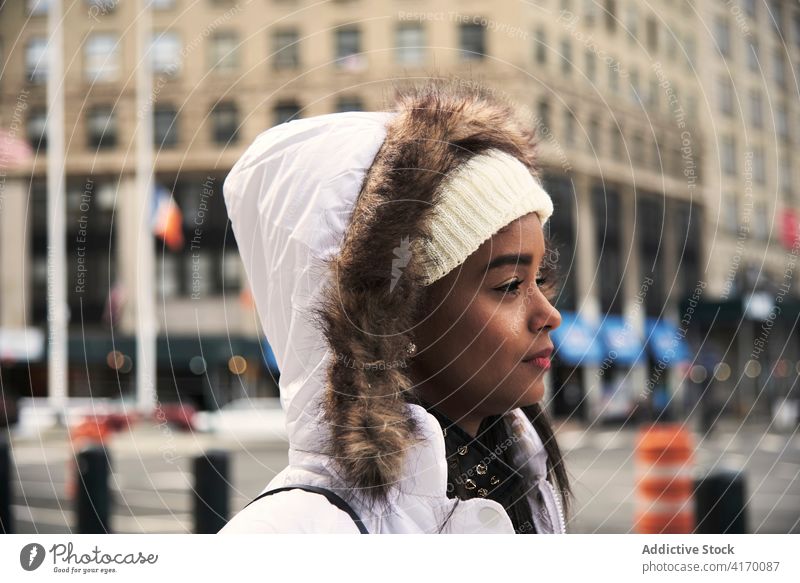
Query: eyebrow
{"x":509,"y":259}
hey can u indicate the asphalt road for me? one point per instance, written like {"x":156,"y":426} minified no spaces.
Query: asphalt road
{"x":152,"y":482}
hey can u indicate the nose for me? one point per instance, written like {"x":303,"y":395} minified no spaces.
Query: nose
{"x":543,"y":315}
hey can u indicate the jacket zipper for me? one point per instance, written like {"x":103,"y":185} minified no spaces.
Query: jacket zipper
{"x":560,"y":514}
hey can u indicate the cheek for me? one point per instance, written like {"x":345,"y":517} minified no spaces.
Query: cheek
{"x":494,"y":327}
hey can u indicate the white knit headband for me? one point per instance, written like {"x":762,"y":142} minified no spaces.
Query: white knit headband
{"x":480,"y":197}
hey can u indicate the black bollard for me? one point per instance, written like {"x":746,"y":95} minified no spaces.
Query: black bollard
{"x":719,"y":503}
{"x":93,"y":501}
{"x":6,"y":525}
{"x":211,"y":492}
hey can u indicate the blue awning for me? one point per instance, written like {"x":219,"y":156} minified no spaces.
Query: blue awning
{"x":665,"y":342}
{"x":269,"y":357}
{"x":623,"y":345}
{"x":576,"y":341}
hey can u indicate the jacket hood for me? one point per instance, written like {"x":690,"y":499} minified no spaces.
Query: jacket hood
{"x":327,"y":212}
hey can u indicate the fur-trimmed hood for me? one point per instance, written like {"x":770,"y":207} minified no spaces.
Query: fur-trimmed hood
{"x":326,"y":211}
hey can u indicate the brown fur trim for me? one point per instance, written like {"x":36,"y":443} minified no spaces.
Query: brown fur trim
{"x":368,"y":327}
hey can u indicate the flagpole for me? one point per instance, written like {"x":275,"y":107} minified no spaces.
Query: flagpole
{"x":145,"y":265}
{"x":57,"y":387}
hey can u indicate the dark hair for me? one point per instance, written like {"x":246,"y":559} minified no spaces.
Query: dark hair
{"x":497,"y":432}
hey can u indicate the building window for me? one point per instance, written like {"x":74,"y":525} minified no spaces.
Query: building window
{"x":38,"y":7}
{"x":690,"y":47}
{"x":101,"y":127}
{"x":653,"y":94}
{"x":617,"y":143}
{"x":722,"y":35}
{"x":225,"y":123}
{"x":782,"y":121}
{"x":606,"y":210}
{"x":165,"y":127}
{"x":286,"y":46}
{"x":756,"y":109}
{"x":750,"y":8}
{"x":796,"y":21}
{"x":759,"y":166}
{"x":671,"y":44}
{"x":169,"y":284}
{"x":100,"y":7}
{"x":348,"y":49}
{"x":570,"y":129}
{"x":36,"y":59}
{"x":214,"y":269}
{"x":286,"y":111}
{"x":752,"y":55}
{"x":760,"y":226}
{"x":540,"y":46}
{"x":165,"y":53}
{"x":611,"y":16}
{"x":651,"y":32}
{"x":231,"y":270}
{"x":649,"y":235}
{"x":543,"y":109}
{"x":594,"y":137}
{"x":349,"y":103}
{"x":472,"y":40}
{"x":731,"y":213}
{"x":591,"y":66}
{"x":638,"y":153}
{"x":561,"y":230}
{"x":776,"y":17}
{"x":725,"y":96}
{"x":36,"y":128}
{"x":224,"y":52}
{"x":589,"y":13}
{"x":101,"y":57}
{"x":613,"y":80}
{"x":785,"y":175}
{"x":635,"y":94}
{"x":410,"y":45}
{"x":779,"y":68}
{"x":632,"y":21}
{"x":566,"y":57}
{"x":728,"y":155}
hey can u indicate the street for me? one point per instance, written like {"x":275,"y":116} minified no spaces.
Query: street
{"x":152,"y":481}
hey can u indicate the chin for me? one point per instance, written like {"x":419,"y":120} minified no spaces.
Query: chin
{"x":533,"y":394}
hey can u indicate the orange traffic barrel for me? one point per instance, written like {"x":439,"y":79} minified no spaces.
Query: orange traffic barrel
{"x":89,"y":431}
{"x":664,"y":480}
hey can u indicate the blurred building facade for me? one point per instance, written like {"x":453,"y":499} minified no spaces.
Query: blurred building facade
{"x":648,"y":127}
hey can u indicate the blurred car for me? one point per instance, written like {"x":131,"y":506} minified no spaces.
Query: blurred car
{"x":8,"y":411}
{"x":178,"y":415}
{"x":257,"y":417}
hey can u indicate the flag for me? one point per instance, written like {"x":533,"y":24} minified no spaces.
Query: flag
{"x":166,"y":218}
{"x":13,"y":150}
{"x":246,"y":297}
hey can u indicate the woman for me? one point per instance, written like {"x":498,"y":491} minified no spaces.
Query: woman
{"x":399,"y":268}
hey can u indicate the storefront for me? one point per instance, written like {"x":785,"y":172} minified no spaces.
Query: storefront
{"x":620,"y":367}
{"x":668,"y":360}
{"x":576,"y":348}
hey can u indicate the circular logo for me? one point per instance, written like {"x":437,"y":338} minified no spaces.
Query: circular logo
{"x":31,"y":556}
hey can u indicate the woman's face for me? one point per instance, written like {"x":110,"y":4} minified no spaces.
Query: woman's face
{"x":482,"y":323}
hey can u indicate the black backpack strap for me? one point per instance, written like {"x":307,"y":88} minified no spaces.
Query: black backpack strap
{"x":332,"y":497}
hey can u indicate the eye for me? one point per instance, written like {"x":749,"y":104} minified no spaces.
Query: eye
{"x":511,"y":288}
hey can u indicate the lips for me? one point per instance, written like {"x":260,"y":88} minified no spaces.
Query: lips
{"x":541,"y":362}
{"x":546,"y":353}
{"x":540,"y":359}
